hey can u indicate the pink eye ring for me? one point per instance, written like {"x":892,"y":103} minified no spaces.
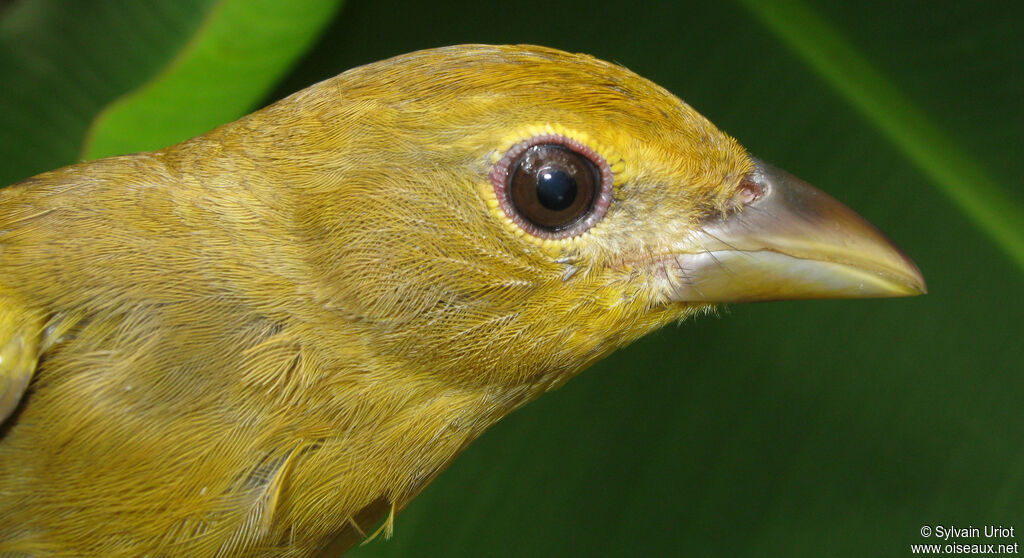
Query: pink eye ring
{"x":552,"y":186}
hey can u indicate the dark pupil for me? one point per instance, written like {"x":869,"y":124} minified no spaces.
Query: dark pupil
{"x":553,"y":186}
{"x":556,"y":189}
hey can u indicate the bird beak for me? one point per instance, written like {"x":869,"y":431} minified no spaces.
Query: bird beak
{"x":790,"y":241}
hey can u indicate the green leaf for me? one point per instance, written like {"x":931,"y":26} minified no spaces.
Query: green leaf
{"x":825,"y":49}
{"x":239,"y":52}
{"x":60,"y":64}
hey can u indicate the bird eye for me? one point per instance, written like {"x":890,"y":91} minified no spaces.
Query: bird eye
{"x":553,"y":187}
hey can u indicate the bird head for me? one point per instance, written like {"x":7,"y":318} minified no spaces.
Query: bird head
{"x":507,"y":215}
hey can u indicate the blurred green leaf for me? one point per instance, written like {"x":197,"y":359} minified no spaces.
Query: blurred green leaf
{"x":912,"y":131}
{"x":238,"y":53}
{"x":61,"y":64}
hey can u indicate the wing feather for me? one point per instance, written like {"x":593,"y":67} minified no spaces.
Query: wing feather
{"x":21,"y":333}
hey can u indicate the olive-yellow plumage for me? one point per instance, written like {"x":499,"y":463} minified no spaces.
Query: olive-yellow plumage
{"x":263,"y":340}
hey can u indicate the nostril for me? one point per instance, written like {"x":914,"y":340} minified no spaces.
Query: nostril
{"x":749,"y":191}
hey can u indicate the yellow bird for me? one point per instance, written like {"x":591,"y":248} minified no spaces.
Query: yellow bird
{"x":264,"y":340}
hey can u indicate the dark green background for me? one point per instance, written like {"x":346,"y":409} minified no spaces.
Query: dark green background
{"x":823,"y":428}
